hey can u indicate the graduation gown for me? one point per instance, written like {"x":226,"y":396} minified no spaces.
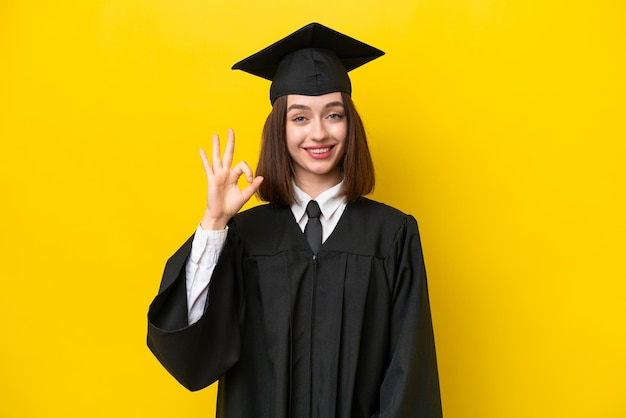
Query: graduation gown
{"x":345,"y":334}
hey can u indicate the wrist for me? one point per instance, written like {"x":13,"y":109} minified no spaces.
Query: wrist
{"x":209,"y":223}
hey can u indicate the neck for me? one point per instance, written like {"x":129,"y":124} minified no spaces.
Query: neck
{"x":316,"y":185}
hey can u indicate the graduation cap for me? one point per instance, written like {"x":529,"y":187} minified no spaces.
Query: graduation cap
{"x":312,"y":61}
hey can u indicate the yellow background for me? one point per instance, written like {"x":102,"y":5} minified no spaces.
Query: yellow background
{"x":499,"y":124}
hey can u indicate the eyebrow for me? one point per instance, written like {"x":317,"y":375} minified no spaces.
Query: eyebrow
{"x":303,"y":107}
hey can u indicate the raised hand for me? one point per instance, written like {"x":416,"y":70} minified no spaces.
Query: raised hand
{"x":224,"y":197}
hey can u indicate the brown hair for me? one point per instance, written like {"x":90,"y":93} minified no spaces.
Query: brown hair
{"x":276,"y":167}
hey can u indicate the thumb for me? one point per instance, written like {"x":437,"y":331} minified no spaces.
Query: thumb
{"x":252,"y":188}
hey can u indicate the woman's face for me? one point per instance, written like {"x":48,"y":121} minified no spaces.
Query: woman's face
{"x":316,"y":135}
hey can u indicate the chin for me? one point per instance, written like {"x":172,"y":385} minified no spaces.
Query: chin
{"x":322,"y":171}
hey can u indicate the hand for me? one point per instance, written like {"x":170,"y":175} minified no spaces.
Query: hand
{"x":224,"y":197}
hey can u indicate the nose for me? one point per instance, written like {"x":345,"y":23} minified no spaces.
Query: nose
{"x":318,"y":131}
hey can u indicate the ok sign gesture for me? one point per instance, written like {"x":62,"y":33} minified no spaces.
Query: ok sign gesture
{"x":224,"y":197}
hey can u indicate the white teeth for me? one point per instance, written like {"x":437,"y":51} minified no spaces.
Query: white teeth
{"x":319,"y":150}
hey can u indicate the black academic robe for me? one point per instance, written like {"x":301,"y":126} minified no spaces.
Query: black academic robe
{"x":345,"y":334}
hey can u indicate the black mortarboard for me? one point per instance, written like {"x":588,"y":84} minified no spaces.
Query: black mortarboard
{"x":312,"y":61}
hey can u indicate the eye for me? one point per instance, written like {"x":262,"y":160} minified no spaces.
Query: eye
{"x":299,"y":119}
{"x":335,"y":116}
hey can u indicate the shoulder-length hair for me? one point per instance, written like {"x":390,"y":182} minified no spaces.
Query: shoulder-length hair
{"x":276,"y":167}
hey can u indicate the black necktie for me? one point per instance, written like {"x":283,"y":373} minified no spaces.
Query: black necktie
{"x":313,"y":229}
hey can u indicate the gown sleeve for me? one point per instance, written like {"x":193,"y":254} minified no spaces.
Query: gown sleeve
{"x":199,"y":354}
{"x":411,"y":384}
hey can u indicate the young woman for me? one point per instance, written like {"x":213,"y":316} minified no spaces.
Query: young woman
{"x":316,"y":304}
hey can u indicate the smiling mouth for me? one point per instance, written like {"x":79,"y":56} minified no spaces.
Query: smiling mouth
{"x":319,"y":150}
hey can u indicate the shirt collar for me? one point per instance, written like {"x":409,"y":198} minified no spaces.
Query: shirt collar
{"x":329,"y":201}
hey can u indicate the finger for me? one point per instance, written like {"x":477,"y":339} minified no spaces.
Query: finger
{"x":252,"y":188}
{"x":217,"y":161}
{"x":243,"y":168}
{"x":205,"y":163}
{"x":230,"y":149}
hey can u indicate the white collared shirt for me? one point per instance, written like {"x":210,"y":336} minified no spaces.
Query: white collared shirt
{"x":331,"y":204}
{"x":207,"y":245}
